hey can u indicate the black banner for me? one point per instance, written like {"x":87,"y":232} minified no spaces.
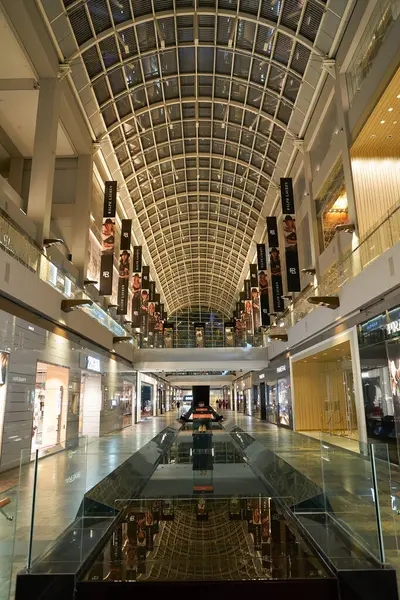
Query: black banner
{"x":157,"y":322}
{"x":275,"y":264}
{"x":290,"y":235}
{"x":261,"y":257}
{"x":152,"y":291}
{"x":124,"y":266}
{"x":144,"y":300}
{"x":255,"y":297}
{"x":108,"y":238}
{"x":136,"y":285}
{"x":137,"y":259}
{"x":287,"y":196}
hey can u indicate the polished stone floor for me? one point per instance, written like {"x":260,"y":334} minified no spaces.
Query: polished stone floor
{"x":62,"y":479}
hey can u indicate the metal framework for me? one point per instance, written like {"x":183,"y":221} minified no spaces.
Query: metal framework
{"x":201,"y":101}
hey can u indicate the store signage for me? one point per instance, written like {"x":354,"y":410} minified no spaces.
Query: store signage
{"x":124,"y":266}
{"x":93,"y":364}
{"x":290,"y":235}
{"x":108,"y":238}
{"x":19,"y":379}
{"x":281,"y":369}
{"x":393,"y":327}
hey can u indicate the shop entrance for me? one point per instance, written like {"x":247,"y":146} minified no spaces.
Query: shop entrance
{"x":89,"y":413}
{"x":324,"y":392}
{"x":50,"y":406}
{"x":146,"y":401}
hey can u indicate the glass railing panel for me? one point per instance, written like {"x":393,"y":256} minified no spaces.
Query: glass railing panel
{"x":8,"y":514}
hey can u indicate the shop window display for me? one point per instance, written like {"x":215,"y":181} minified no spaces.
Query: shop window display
{"x":284,"y":402}
{"x":272,"y":403}
{"x":147,"y":402}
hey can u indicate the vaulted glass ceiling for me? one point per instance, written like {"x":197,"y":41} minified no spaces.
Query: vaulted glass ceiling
{"x":196,"y":104}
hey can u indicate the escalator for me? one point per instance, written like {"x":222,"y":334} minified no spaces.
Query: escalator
{"x":198,"y":511}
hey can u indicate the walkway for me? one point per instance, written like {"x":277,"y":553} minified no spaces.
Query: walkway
{"x":63,"y":478}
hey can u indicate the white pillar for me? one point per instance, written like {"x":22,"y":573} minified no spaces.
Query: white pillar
{"x":342,"y":107}
{"x":16,"y":173}
{"x":311,"y":212}
{"x":44,"y":156}
{"x":81,"y":218}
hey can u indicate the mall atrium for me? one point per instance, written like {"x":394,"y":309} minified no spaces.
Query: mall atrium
{"x":199,"y":299}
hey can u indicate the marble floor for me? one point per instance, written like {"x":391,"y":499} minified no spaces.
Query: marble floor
{"x":62,"y":479}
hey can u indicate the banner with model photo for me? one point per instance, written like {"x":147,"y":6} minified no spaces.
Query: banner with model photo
{"x":275,"y":264}
{"x":144,"y":301}
{"x":151,"y":312}
{"x":290,"y":235}
{"x":199,"y":335}
{"x":124,"y":266}
{"x":255,"y":297}
{"x":263,"y":285}
{"x":248,"y":310}
{"x":158,"y":324}
{"x":108,"y":238}
{"x":136,"y":285}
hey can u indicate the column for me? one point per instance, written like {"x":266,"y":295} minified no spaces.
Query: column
{"x":311,"y":212}
{"x":16,"y":173}
{"x":44,"y":155}
{"x":81,"y":215}
{"x":342,"y":107}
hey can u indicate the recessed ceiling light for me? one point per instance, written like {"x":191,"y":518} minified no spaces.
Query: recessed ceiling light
{"x":394,"y":122}
{"x":390,"y":109}
{"x":382,"y":122}
{"x":390,"y":136}
{"x":398,"y":95}
{"x":373,"y":135}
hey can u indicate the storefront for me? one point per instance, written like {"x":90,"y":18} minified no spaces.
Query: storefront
{"x":379,"y":344}
{"x":274,"y":390}
{"x":327,"y":389}
{"x":53,"y":389}
{"x":245,"y":398}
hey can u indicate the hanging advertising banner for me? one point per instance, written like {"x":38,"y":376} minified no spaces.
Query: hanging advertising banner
{"x":248,"y":309}
{"x":263,"y":285}
{"x":108,"y":238}
{"x":199,"y":335}
{"x":157,"y":322}
{"x":152,"y":291}
{"x":290,"y":235}
{"x":136,"y":285}
{"x":255,"y":297}
{"x":241,"y":321}
{"x":124,"y":266}
{"x":275,"y":264}
{"x":229,"y":334}
{"x":144,"y":301}
{"x":168,"y":332}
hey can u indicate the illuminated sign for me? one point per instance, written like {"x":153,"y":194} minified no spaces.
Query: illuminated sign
{"x":93,"y":364}
{"x":281,"y":369}
{"x":393,"y":327}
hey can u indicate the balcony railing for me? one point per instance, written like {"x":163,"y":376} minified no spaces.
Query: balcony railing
{"x":23,"y":249}
{"x":384,"y":236}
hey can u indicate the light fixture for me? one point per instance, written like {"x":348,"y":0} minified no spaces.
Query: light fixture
{"x":331,"y":302}
{"x":118,"y":339}
{"x":279,"y":337}
{"x":382,"y":122}
{"x":398,"y":96}
{"x":48,"y":242}
{"x":70,"y":305}
{"x":89,"y":282}
{"x":346,"y":227}
{"x":390,"y":109}
{"x":287,"y":297}
{"x":308,"y":271}
{"x":112,"y":306}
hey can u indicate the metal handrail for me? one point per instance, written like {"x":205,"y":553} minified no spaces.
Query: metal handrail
{"x":349,"y":267}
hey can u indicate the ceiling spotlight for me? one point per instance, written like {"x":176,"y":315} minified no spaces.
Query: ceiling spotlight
{"x":279,"y":337}
{"x":112,"y":306}
{"x":287,"y":297}
{"x":70,"y":305}
{"x":382,"y":122}
{"x":90,"y":282}
{"x":390,"y":109}
{"x":347,"y":227}
{"x":308,"y":271}
{"x":118,"y":339}
{"x":48,"y":242}
{"x":331,"y":302}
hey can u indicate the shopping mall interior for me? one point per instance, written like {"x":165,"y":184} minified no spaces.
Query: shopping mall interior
{"x":199,"y":298}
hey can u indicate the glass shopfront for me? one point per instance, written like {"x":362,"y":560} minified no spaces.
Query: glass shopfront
{"x":278,"y":397}
{"x":50,"y":406}
{"x":379,"y":344}
{"x":147,"y":401}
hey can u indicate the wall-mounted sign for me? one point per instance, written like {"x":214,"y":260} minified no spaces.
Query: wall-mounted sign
{"x":393,"y":327}
{"x":281,"y":369}
{"x":92,"y":364}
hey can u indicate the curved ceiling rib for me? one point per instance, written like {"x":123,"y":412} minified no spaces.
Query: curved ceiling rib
{"x":201,"y":101}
